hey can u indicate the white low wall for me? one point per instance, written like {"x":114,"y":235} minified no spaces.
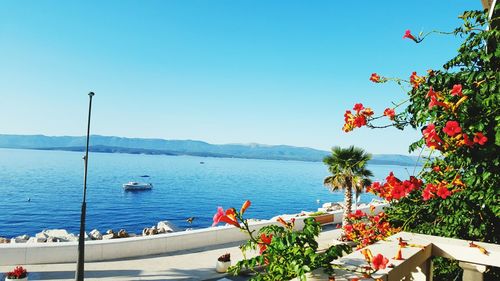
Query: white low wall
{"x":63,"y":252}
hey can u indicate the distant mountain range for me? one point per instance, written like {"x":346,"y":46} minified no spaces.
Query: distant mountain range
{"x":109,"y":144}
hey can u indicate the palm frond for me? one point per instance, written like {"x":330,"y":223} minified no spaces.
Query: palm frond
{"x":348,"y":169}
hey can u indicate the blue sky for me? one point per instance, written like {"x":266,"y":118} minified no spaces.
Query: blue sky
{"x":271,"y":72}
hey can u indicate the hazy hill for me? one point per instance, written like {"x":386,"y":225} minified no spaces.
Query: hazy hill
{"x":182,"y":147}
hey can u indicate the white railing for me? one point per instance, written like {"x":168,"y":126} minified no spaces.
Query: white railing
{"x":416,"y":263}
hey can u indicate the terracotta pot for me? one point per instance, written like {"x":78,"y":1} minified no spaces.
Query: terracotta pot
{"x":222,"y":266}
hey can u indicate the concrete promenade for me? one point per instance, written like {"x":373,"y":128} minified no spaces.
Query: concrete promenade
{"x":197,"y":264}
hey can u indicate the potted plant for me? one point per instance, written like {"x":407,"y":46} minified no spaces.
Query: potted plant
{"x":322,"y":217}
{"x":223,"y":263}
{"x":19,"y":273}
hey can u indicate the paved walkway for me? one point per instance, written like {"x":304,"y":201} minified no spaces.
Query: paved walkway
{"x":196,"y":264}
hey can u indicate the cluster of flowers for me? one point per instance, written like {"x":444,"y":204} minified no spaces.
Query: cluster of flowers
{"x":18,"y":273}
{"x":375,"y":78}
{"x":454,"y":137}
{"x":416,"y":80}
{"x":232,"y":217}
{"x":436,"y":99}
{"x":358,"y":119}
{"x":432,"y":190}
{"x":443,"y":188}
{"x":394,"y":188}
{"x":364,"y":229}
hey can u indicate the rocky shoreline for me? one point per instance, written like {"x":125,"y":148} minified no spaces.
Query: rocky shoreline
{"x":62,"y":235}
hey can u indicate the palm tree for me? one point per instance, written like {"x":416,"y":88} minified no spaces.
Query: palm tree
{"x":348,"y":168}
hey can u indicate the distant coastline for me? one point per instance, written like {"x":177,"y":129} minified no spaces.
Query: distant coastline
{"x":112,"y":144}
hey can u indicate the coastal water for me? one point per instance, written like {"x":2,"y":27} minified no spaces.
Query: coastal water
{"x":43,"y":189}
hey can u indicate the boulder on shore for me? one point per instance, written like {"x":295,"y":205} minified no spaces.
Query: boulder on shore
{"x":108,"y":236}
{"x":4,"y":240}
{"x":56,"y":235}
{"x":95,"y":235}
{"x":149,"y":231}
{"x":166,"y":226}
{"x":20,"y":239}
{"x":36,"y":240}
{"x":122,"y":233}
{"x":51,"y":239}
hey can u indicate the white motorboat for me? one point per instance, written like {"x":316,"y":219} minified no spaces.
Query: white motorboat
{"x":137,"y":186}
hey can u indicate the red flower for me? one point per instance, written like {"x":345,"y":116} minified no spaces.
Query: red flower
{"x":431,"y":93}
{"x":359,"y":214}
{"x":428,"y":192}
{"x":245,"y":206}
{"x":432,"y":139}
{"x":347,"y":116}
{"x":480,"y":139}
{"x":467,"y":141}
{"x":416,"y":80}
{"x":375,"y":78}
{"x":228,"y":217}
{"x":409,"y":35}
{"x":434,"y":102}
{"x":457,"y":90}
{"x":360,"y":121}
{"x":394,"y":188}
{"x":348,"y":228}
{"x":367,"y":112}
{"x":398,"y":192}
{"x":389,"y":112}
{"x":379,"y":262}
{"x":265,"y":240}
{"x":452,"y":128}
{"x":358,"y":107}
{"x":443,"y":192}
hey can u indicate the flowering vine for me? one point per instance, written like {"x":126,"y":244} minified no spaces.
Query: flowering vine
{"x":284,"y":253}
{"x":366,"y":229}
{"x":456,"y":109}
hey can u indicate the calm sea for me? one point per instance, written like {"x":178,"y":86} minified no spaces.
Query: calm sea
{"x":43,"y":189}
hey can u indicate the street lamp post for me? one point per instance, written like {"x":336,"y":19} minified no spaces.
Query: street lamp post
{"x":81,"y":239}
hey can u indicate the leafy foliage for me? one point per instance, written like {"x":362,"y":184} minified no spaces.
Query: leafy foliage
{"x":290,"y":253}
{"x":472,"y":211}
{"x":457,"y":109}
